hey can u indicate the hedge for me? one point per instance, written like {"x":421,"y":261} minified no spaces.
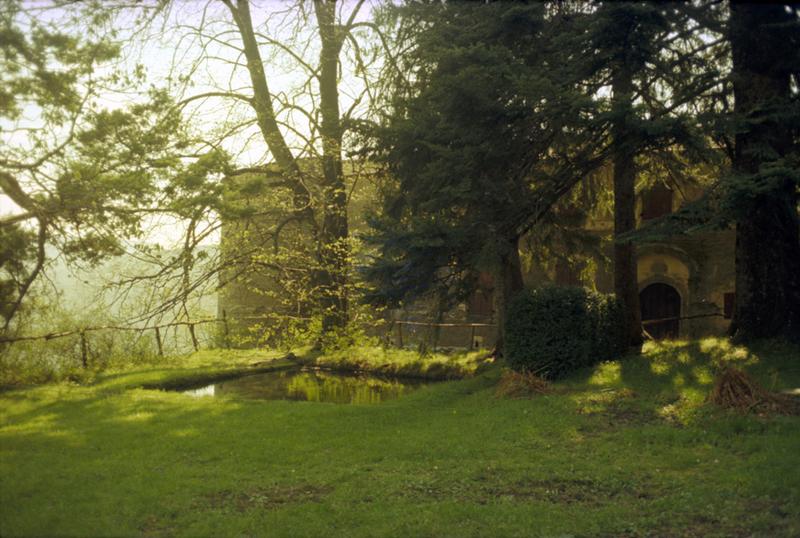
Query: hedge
{"x":552,"y":331}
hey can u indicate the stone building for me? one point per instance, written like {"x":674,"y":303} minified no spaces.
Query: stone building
{"x":686,"y":282}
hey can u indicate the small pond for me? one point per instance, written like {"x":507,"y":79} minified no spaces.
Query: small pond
{"x":312,"y":385}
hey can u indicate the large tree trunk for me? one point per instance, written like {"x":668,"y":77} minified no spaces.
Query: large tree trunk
{"x":767,"y":240}
{"x":508,"y":283}
{"x":330,"y":230}
{"x":625,"y":278}
{"x":333,"y":245}
{"x":265,"y":112}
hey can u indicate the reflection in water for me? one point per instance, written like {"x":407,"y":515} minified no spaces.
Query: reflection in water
{"x":202,"y":391}
{"x":312,"y":386}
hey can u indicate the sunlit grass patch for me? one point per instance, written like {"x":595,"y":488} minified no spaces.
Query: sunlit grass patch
{"x":402,"y":362}
{"x":605,"y":374}
{"x":677,"y":376}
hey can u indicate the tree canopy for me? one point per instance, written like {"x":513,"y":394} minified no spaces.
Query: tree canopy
{"x":486,"y":118}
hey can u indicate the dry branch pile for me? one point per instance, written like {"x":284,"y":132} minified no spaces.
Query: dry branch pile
{"x":521,"y":385}
{"x":734,"y":389}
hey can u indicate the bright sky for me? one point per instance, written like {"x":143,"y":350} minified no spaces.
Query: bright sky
{"x":173,"y":46}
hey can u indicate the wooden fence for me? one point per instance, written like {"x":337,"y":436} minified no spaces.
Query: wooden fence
{"x":191,"y":324}
{"x":472,"y":326}
{"x":647,"y":322}
{"x":82,"y":331}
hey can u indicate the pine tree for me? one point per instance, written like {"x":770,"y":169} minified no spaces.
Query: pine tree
{"x":82,"y":177}
{"x":765,"y":42}
{"x":656,"y":64}
{"x":492,"y":134}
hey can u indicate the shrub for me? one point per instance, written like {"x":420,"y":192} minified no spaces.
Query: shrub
{"x":608,"y":321}
{"x":553,"y":331}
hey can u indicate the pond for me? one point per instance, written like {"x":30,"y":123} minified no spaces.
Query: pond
{"x":312,"y":385}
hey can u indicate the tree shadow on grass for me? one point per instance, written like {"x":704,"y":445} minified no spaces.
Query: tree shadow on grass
{"x":671,"y":366}
{"x":670,"y":380}
{"x":86,"y":454}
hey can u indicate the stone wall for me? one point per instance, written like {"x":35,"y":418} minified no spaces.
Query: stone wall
{"x":699,"y":267}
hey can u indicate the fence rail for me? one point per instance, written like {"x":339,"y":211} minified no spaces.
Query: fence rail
{"x":696,"y":316}
{"x":191,"y":324}
{"x":471,"y":326}
{"x":72,"y":332}
{"x":648,"y":322}
{"x":81,"y":332}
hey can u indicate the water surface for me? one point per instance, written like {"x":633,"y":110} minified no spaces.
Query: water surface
{"x":311,"y":385}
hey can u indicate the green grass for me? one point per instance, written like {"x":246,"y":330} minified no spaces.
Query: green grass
{"x":400,"y":362}
{"x":191,"y":369}
{"x":625,"y":449}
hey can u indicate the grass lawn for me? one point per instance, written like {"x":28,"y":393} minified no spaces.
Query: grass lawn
{"x":399,"y":362}
{"x":625,"y":449}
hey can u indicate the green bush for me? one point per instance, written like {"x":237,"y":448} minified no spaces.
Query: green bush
{"x":608,"y":321}
{"x":553,"y":331}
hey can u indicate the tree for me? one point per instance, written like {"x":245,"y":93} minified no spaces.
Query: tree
{"x":626,"y":59}
{"x":657,"y":63}
{"x":753,"y":116}
{"x":492,"y":133}
{"x":306,"y":160}
{"x":83,"y":177}
{"x":764,"y":186}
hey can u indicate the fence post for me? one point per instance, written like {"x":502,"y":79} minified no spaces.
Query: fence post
{"x":225,"y":327}
{"x":194,"y":338}
{"x":84,"y":351}
{"x":158,"y":341}
{"x":400,"y":334}
{"x":471,"y":338}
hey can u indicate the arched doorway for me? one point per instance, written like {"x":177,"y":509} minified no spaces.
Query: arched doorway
{"x":663,"y":302}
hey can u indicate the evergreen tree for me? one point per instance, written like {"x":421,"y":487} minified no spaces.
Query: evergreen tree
{"x":763,"y":190}
{"x":507,"y":119}
{"x":491,"y":135}
{"x":656,"y":64}
{"x":754,"y":117}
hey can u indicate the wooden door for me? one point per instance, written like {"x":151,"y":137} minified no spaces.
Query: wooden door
{"x":662,"y":302}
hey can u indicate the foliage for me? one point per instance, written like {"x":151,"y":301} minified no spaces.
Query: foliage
{"x":16,"y":247}
{"x":57,"y":359}
{"x":553,"y":331}
{"x":510,"y":107}
{"x":608,"y":329}
{"x":627,"y":448}
{"x":48,"y":361}
{"x":83,"y":174}
{"x":287,"y":314}
{"x":485,"y":140}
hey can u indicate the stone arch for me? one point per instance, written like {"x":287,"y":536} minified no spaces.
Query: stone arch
{"x":661,"y":301}
{"x":668,"y":266}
